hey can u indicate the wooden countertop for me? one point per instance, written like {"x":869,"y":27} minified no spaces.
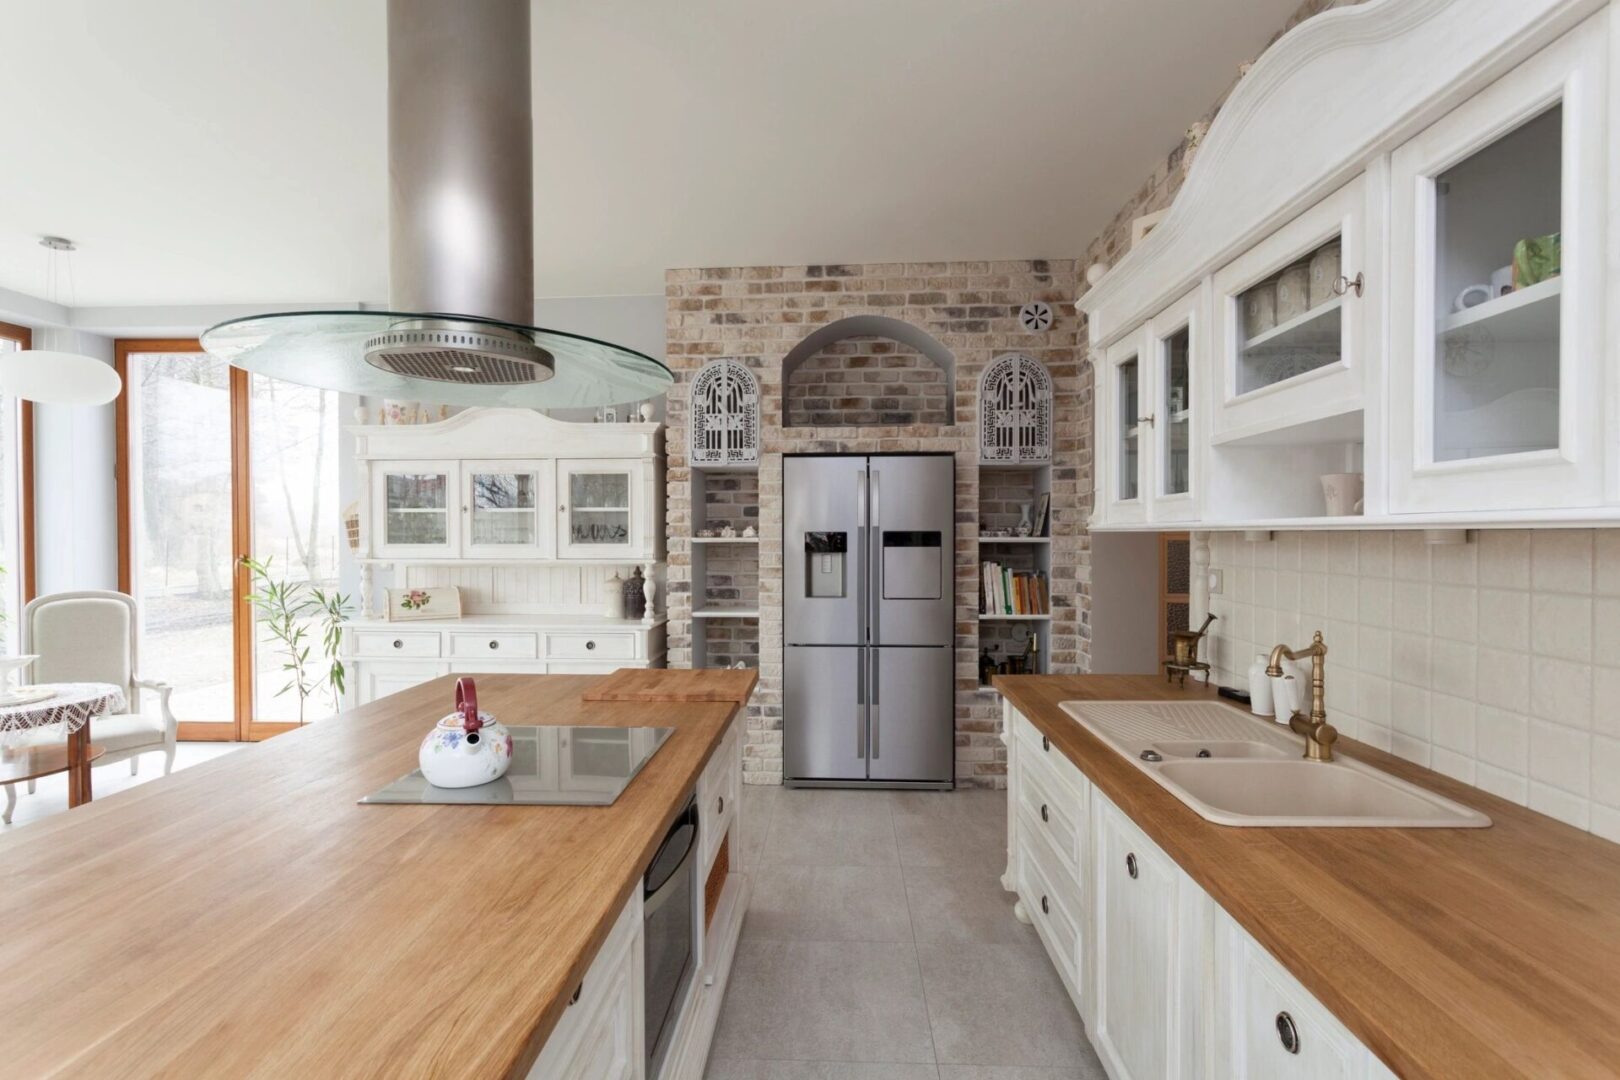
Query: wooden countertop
{"x":1449,"y":952}
{"x":245,"y":917}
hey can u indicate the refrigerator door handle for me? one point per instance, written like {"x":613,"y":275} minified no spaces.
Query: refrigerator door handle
{"x":872,"y":710}
{"x":860,"y":703}
{"x":861,"y":571}
{"x":874,"y":558}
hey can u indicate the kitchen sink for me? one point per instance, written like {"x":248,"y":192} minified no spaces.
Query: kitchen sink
{"x":1235,"y":770}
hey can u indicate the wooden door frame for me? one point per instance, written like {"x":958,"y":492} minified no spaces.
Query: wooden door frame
{"x":25,"y":471}
{"x":243,"y":725}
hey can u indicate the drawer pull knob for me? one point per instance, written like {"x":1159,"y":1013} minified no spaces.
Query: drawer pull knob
{"x":578,"y":990}
{"x":1046,"y":744}
{"x":1288,"y":1033}
{"x":1046,"y":908}
{"x":398,"y":644}
{"x":494,"y":644}
{"x":721,"y":807}
{"x":1044,"y":815}
{"x":1130,"y":864}
{"x":590,"y":645}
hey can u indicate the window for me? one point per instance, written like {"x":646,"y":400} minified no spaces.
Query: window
{"x":16,"y":499}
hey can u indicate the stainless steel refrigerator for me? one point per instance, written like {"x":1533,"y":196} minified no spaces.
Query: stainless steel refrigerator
{"x":869,"y":620}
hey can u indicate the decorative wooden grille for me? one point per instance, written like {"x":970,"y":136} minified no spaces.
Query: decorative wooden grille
{"x":725,"y":414}
{"x":1015,"y":411}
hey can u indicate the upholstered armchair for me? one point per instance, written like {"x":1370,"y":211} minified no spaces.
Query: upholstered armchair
{"x":91,"y":636}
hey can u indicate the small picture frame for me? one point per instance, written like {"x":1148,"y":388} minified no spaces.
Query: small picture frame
{"x":443,"y":602}
{"x":1043,"y":508}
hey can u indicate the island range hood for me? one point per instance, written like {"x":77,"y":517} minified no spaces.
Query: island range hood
{"x":461,"y":242}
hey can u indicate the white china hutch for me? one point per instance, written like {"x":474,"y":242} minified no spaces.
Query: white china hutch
{"x":1394,"y":256}
{"x":536,"y":521}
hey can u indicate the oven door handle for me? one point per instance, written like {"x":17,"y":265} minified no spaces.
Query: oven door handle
{"x":656,"y":892}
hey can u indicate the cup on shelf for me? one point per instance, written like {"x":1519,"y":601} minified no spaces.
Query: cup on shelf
{"x":1342,"y":494}
{"x":1324,"y":273}
{"x":1293,"y":292}
{"x":1472,"y":296}
{"x":1502,"y":281}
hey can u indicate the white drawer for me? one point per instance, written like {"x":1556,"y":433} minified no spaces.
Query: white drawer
{"x":1041,"y":748}
{"x":493,"y":645}
{"x":1051,"y":811}
{"x":589,"y":645}
{"x":1052,"y":899}
{"x":717,"y":797}
{"x":396,"y":643}
{"x":596,"y":1037}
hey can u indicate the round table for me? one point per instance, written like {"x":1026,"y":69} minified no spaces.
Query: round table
{"x":71,"y":705}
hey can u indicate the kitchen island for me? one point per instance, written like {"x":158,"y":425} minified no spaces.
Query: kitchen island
{"x":247,"y":917}
{"x":1446,"y":952}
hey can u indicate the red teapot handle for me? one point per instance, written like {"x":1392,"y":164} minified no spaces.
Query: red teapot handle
{"x":467,"y":705}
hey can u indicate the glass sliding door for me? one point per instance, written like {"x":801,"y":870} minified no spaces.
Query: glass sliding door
{"x":216,"y":466}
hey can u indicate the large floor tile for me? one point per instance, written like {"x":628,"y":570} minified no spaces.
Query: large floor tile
{"x":1020,"y":1072}
{"x":831,"y":828}
{"x":818,"y":1001}
{"x":828,"y":903}
{"x":815,"y":1070}
{"x":758,"y":807}
{"x":1000,"y":1005}
{"x":963,"y":903}
{"x":950,"y":839}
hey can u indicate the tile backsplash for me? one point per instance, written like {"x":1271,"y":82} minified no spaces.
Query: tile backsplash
{"x":1496,"y":662}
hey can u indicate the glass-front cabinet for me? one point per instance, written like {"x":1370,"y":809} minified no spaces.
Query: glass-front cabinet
{"x":602,"y":511}
{"x":1129,"y":432}
{"x":414,"y":508}
{"x":1176,"y":349}
{"x":506,"y":509}
{"x":1497,"y":373}
{"x":1288,"y":323}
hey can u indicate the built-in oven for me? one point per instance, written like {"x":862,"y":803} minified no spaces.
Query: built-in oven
{"x":669,"y":906}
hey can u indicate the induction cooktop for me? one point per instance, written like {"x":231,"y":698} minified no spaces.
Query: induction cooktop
{"x":568,"y":766}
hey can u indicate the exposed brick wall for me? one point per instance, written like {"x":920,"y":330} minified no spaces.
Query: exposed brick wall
{"x":758,"y":314}
{"x":863,"y":381}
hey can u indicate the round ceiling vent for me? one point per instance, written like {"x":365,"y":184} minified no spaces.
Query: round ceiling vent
{"x":1036,"y":317}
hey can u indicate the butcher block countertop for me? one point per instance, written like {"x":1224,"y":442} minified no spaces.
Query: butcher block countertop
{"x":1449,"y":952}
{"x":245,"y":917}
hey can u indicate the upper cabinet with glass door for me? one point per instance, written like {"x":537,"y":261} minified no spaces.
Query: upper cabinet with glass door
{"x":415,"y":510}
{"x":603,"y":512}
{"x":506,"y":509}
{"x":1288,"y":323}
{"x":1176,"y":344}
{"x":1125,"y":430}
{"x":1498,"y":368}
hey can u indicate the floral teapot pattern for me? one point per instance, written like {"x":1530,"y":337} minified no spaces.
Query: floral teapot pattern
{"x":467,"y":747}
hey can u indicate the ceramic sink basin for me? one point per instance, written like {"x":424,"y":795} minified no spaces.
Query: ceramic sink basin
{"x":1234,"y":770}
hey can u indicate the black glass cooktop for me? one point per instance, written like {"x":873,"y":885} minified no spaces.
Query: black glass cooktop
{"x":578,"y":766}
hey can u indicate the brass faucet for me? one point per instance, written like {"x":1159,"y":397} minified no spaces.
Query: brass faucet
{"x":1319,"y":734}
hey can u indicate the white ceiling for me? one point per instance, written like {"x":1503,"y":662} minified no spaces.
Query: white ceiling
{"x":233,"y":150}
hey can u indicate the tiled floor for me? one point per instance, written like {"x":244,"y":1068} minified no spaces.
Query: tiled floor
{"x":50,"y":796}
{"x":879,"y":945}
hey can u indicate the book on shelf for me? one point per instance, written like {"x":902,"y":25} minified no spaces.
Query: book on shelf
{"x":1005,"y":591}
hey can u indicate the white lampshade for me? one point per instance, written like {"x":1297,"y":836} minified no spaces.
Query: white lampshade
{"x":58,"y":378}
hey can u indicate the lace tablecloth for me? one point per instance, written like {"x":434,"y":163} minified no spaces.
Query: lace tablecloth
{"x":72,"y":706}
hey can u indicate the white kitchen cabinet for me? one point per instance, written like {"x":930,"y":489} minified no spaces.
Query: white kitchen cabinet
{"x":1139,"y":1027}
{"x":604,"y":510}
{"x":1120,"y":422}
{"x":1289,"y":341}
{"x":719,"y":792}
{"x":373,"y":679}
{"x":506,"y":509}
{"x":1498,"y":372}
{"x":415,"y":507}
{"x":601,"y":1035}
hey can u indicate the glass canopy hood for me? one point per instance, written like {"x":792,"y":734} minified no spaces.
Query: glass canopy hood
{"x":544,"y":368}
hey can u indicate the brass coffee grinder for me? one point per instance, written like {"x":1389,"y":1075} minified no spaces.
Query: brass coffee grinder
{"x":1184,"y":653}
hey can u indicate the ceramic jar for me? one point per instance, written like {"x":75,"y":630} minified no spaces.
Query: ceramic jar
{"x":467,"y":747}
{"x":1325,"y":274}
{"x":1260,"y":308}
{"x":1293,"y":292}
{"x":1260,"y":702}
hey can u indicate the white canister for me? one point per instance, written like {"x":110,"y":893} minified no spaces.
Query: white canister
{"x":1342,"y":494}
{"x":1325,"y":274}
{"x":1260,"y":308}
{"x":1285,"y":696}
{"x":1293,"y":292}
{"x":1260,"y":687}
{"x":615,"y":596}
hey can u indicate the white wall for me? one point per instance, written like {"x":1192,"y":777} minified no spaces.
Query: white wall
{"x":1495,"y":662}
{"x":1124,"y":603}
{"x":75,"y":494}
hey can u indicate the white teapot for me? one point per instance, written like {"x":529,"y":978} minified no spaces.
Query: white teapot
{"x":467,"y":747}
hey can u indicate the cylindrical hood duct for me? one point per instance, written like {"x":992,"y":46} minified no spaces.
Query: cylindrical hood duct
{"x":460,"y":158}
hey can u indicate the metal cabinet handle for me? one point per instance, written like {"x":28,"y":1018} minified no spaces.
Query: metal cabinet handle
{"x":1044,"y":816}
{"x":1046,"y":744}
{"x":398,"y":644}
{"x":1343,"y":284}
{"x":1288,"y":1033}
{"x":1046,"y":908}
{"x":721,"y":808}
{"x":494,"y":644}
{"x":590,"y":645}
{"x":578,"y":990}
{"x":1148,"y":419}
{"x":1130,"y":864}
